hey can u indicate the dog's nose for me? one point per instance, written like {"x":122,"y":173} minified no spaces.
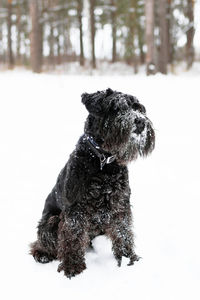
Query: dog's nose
{"x":140,"y":125}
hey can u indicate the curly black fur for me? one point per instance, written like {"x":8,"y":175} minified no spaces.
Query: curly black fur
{"x":88,"y":201}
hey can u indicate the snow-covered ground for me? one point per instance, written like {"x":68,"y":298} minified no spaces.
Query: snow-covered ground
{"x":41,"y":118}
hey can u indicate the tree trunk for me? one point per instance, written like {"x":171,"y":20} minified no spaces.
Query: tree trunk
{"x":9,"y":24}
{"x":114,"y":30}
{"x":141,"y":42}
{"x":80,"y":11}
{"x":163,"y":50}
{"x":149,"y":30}
{"x":51,"y":46}
{"x":92,"y":31}
{"x":1,"y":44}
{"x":190,"y":34}
{"x":169,"y":33}
{"x":130,"y":54}
{"x":36,"y":37}
{"x":18,"y":34}
{"x":58,"y":60}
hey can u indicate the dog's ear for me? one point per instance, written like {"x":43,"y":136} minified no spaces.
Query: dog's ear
{"x":109,"y":92}
{"x":85,"y":98}
{"x":94,"y":102}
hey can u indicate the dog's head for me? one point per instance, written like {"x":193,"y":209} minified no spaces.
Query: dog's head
{"x":118,"y":123}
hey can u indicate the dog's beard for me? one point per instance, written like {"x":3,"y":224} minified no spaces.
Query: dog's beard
{"x":139,"y":140}
{"x":145,"y":141}
{"x":123,"y":140}
{"x":138,"y":145}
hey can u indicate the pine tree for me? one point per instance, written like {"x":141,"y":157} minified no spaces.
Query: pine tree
{"x":190,"y":33}
{"x":92,"y":31}
{"x":80,"y":24}
{"x":163,"y":48}
{"x":150,"y":54}
{"x":113,"y":15}
{"x":9,"y":26}
{"x":36,"y":37}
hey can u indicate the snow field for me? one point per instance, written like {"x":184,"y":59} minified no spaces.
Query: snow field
{"x":41,"y":119}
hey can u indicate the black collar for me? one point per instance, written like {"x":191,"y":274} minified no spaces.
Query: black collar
{"x":104,"y":157}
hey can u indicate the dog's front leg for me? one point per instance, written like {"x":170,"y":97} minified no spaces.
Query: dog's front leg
{"x":121,"y":236}
{"x":73,"y":241}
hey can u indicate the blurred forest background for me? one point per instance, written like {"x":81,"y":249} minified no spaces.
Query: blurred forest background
{"x":43,"y":34}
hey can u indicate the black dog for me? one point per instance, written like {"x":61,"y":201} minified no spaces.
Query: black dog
{"x":92,"y":193}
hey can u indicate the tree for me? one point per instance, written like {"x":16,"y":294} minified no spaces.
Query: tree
{"x":114,"y":29}
{"x":140,"y":26}
{"x":1,"y":45}
{"x":19,"y":29}
{"x":190,"y":34}
{"x":79,"y":13}
{"x":9,"y":26}
{"x":163,"y":48}
{"x":92,"y":31}
{"x":129,"y":40}
{"x":150,"y":57}
{"x":36,"y":37}
{"x":169,"y":32}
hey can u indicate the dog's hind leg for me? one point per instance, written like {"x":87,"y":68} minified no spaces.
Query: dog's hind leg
{"x":44,"y":249}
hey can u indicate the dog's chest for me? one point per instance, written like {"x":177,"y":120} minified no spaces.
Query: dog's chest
{"x":107,"y":194}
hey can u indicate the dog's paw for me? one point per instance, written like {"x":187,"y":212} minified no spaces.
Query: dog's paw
{"x":133,"y":258}
{"x":71,"y":270}
{"x":42,"y":257}
{"x":119,"y":261}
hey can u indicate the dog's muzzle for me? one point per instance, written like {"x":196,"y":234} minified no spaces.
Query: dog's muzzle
{"x":140,"y":125}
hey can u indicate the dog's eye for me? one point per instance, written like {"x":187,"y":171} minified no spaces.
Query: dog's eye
{"x":139,"y":107}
